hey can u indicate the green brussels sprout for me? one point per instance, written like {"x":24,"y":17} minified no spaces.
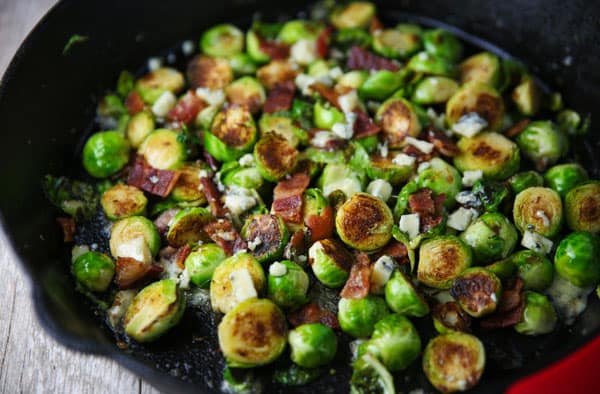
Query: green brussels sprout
{"x":381,"y":84}
{"x":254,"y":333}
{"x":442,"y":43}
{"x":246,"y":92}
{"x":448,"y":317}
{"x":582,"y":207}
{"x":495,"y":155}
{"x":369,"y":143}
{"x":330,"y":262}
{"x":539,"y":316}
{"x":121,"y":201}
{"x":538,"y":209}
{"x":295,"y":375}
{"x":152,"y":85}
{"x":491,"y":194}
{"x":454,"y":362}
{"x":268,"y":235}
{"x":352,"y":79}
{"x":491,"y":236}
{"x":526,"y":96}
{"x":483,"y":67}
{"x":441,"y":260}
{"x":295,"y":30}
{"x":352,"y":15}
{"x":479,"y":98}
{"x":385,"y":168}
{"x":364,"y":222}
{"x":232,"y":174}
{"x":401,"y":206}
{"x":242,"y":64}
{"x":139,"y":127}
{"x":369,"y":376}
{"x":434,"y":90}
{"x":426,"y":63}
{"x":402,"y":297}
{"x":357,"y":317}
{"x":542,"y":143}
{"x":240,"y":381}
{"x":441,"y":178}
{"x":202,"y":262}
{"x":349,"y":37}
{"x":186,"y":227}
{"x":536,"y":270}
{"x":398,"y":120}
{"x":564,"y":177}
{"x":135,"y":237}
{"x":287,"y":285}
{"x":125,"y":83}
{"x":93,"y":270}
{"x":222,"y":41}
{"x":284,"y":126}
{"x":312,"y":345}
{"x":274,"y":157}
{"x":324,"y":117}
{"x":572,"y":123}
{"x":154,"y":310}
{"x":105,"y":153}
{"x":253,"y":47}
{"x":396,"y":43}
{"x":477,"y":291}
{"x":395,"y":341}
{"x":523,"y":180}
{"x":232,"y":134}
{"x":163,"y":149}
{"x":188,"y":187}
{"x":75,"y":198}
{"x":504,"y":269}
{"x":340,"y":177}
{"x":576,"y":259}
{"x":209,"y":72}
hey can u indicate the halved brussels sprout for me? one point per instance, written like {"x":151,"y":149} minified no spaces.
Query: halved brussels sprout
{"x":369,"y":376}
{"x":526,"y":96}
{"x":504,"y":269}
{"x":209,"y":72}
{"x":576,"y":259}
{"x":253,"y":47}
{"x":364,"y":222}
{"x":254,"y":333}
{"x":188,"y":186}
{"x":330,"y":262}
{"x":287,"y":285}
{"x":152,"y":85}
{"x":274,"y":157}
{"x":539,"y":316}
{"x":276,"y":72}
{"x":222,"y":41}
{"x":232,"y":134}
{"x":340,"y":177}
{"x":564,"y":177}
{"x":154,"y":310}
{"x":187,"y":226}
{"x":396,"y":43}
{"x":454,"y":362}
{"x":202,"y":262}
{"x":426,"y":63}
{"x":352,"y":80}
{"x":357,"y":317}
{"x":491,"y":236}
{"x":442,"y":43}
{"x":284,"y":126}
{"x":312,"y":345}
{"x":492,"y":153}
{"x":402,"y":297}
{"x":267,"y":235}
{"x":398,"y":120}
{"x":582,"y":207}
{"x":139,"y":127}
{"x":536,"y":270}
{"x":538,"y":209}
{"x":490,"y":194}
{"x":434,"y":90}
{"x":163,"y":149}
{"x":318,"y":215}
{"x":381,"y":84}
{"x":441,"y":260}
{"x":242,"y":64}
{"x":246,"y":92}
{"x":121,"y":201}
{"x":524,"y":180}
{"x":479,"y":98}
{"x":477,"y":291}
{"x":325,"y":116}
{"x":232,"y":174}
{"x":354,"y":14}
{"x":224,"y":294}
{"x":448,"y":317}
{"x":135,"y":237}
{"x":105,"y":153}
{"x":93,"y":270}
{"x":441,"y":177}
{"x":542,"y":143}
{"x":483,"y":67}
{"x":298,"y":29}
{"x":573,"y":123}
{"x":295,"y":375}
{"x":380,"y":167}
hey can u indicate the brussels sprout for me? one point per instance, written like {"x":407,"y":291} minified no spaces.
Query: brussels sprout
{"x":564,"y":177}
{"x":479,"y":98}
{"x":325,"y":117}
{"x":224,"y":293}
{"x":284,"y":126}
{"x":491,"y":236}
{"x":298,"y":29}
{"x":572,"y":123}
{"x":246,"y":92}
{"x":364,"y":222}
{"x":242,"y":64}
{"x":268,"y":235}
{"x":121,"y":201}
{"x":187,"y":226}
{"x":582,"y":207}
{"x":232,"y":134}
{"x":330,"y":262}
{"x":222,"y":41}
{"x":385,"y":168}
{"x":483,"y":67}
{"x":75,"y":198}
{"x":442,"y":43}
{"x":398,"y":120}
{"x":441,"y":260}
{"x":188,"y":186}
{"x":490,"y":194}
{"x":492,"y":153}
{"x":526,"y":96}
{"x":477,"y":291}
{"x":395,"y":341}
{"x":253,"y":47}
{"x":154,"y":310}
{"x":576,"y":259}
{"x":523,"y":180}
{"x":163,"y":149}
{"x":396,"y":43}
{"x":295,"y":375}
{"x":352,"y":80}
{"x":254,"y":333}
{"x":454,"y":362}
{"x":93,"y":270}
{"x":381,"y":84}
{"x":369,"y":376}
{"x":357,"y":317}
{"x":434,"y":90}
{"x":340,"y":177}
{"x":135,"y":237}
{"x":426,"y":63}
{"x":317,"y":214}
{"x":441,"y":178}
{"x":274,"y":157}
{"x":536,"y":270}
{"x":240,"y":381}
{"x":236,"y":175}
{"x":152,"y":85}
{"x":542,"y":143}
{"x":448,"y":318}
{"x":312,"y":345}
{"x":402,"y":297}
{"x":504,"y":269}
{"x":139,"y":127}
{"x":539,"y":316}
{"x":538,"y":209}
{"x":202,"y":262}
{"x":105,"y":153}
{"x":355,"y":14}
{"x":287,"y":285}
{"x":209,"y":72}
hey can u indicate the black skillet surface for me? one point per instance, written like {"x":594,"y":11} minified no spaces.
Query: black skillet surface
{"x":47,"y":101}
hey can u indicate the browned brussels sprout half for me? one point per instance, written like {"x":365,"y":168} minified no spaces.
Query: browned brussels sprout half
{"x":538,"y":209}
{"x":266,"y":236}
{"x":398,"y":120}
{"x":483,"y":67}
{"x":246,"y":92}
{"x":232,"y":134}
{"x":187,"y":226}
{"x":222,"y":41}
{"x":477,"y":291}
{"x":330,"y":262}
{"x":479,"y":98}
{"x":441,"y":260}
{"x":492,"y":153}
{"x":355,"y":14}
{"x":274,"y":156}
{"x":449,"y":317}
{"x":582,"y":207}
{"x":121,"y":201}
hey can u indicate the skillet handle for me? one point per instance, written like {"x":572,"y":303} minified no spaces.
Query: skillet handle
{"x":576,"y":373}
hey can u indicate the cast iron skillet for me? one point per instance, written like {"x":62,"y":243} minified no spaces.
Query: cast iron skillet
{"x":47,"y":100}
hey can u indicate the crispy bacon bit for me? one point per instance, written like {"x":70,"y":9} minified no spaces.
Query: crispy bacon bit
{"x":517,"y":128}
{"x":328,"y":93}
{"x":275,"y":50}
{"x":420,"y":157}
{"x":287,"y":197}
{"x":280,"y":97}
{"x":313,"y":313}
{"x":428,"y":208}
{"x":322,"y":43}
{"x":320,"y":226}
{"x":129,"y":272}
{"x":68,"y":228}
{"x":289,"y":208}
{"x":364,"y":125}
{"x":396,"y":250}
{"x":296,"y":246}
{"x":213,"y":195}
{"x":375,"y":26}
{"x":186,"y":109}
{"x":510,"y":308}
{"x":226,"y":236}
{"x":181,"y":255}
{"x":163,"y":220}
{"x":441,"y":142}
{"x":134,"y":103}
{"x":150,"y":179}
{"x":358,"y":284}
{"x":210,"y":160}
{"x":361,"y":59}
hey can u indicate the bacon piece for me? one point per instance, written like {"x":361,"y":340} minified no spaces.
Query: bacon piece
{"x":210,"y":160}
{"x":358,"y":284}
{"x":364,"y":125}
{"x":420,"y":156}
{"x":375,"y":25}
{"x":181,"y":255}
{"x":441,"y":142}
{"x":421,"y":202}
{"x":322,"y":44}
{"x":510,"y":308}
{"x":213,"y":195}
{"x":150,"y":179}
{"x":289,"y":208}
{"x":361,"y":59}
{"x":296,"y":246}
{"x":396,"y":250}
{"x":328,"y":94}
{"x":163,"y":220}
{"x":287,"y":197}
{"x":68,"y":228}
{"x":517,"y":128}
{"x":502,"y":320}
{"x":313,"y":313}
{"x":226,"y":236}
{"x":186,"y":109}
{"x":320,"y":226}
{"x":273,"y":49}
{"x":280,"y":97}
{"x":134,"y":103}
{"x":129,"y":272}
